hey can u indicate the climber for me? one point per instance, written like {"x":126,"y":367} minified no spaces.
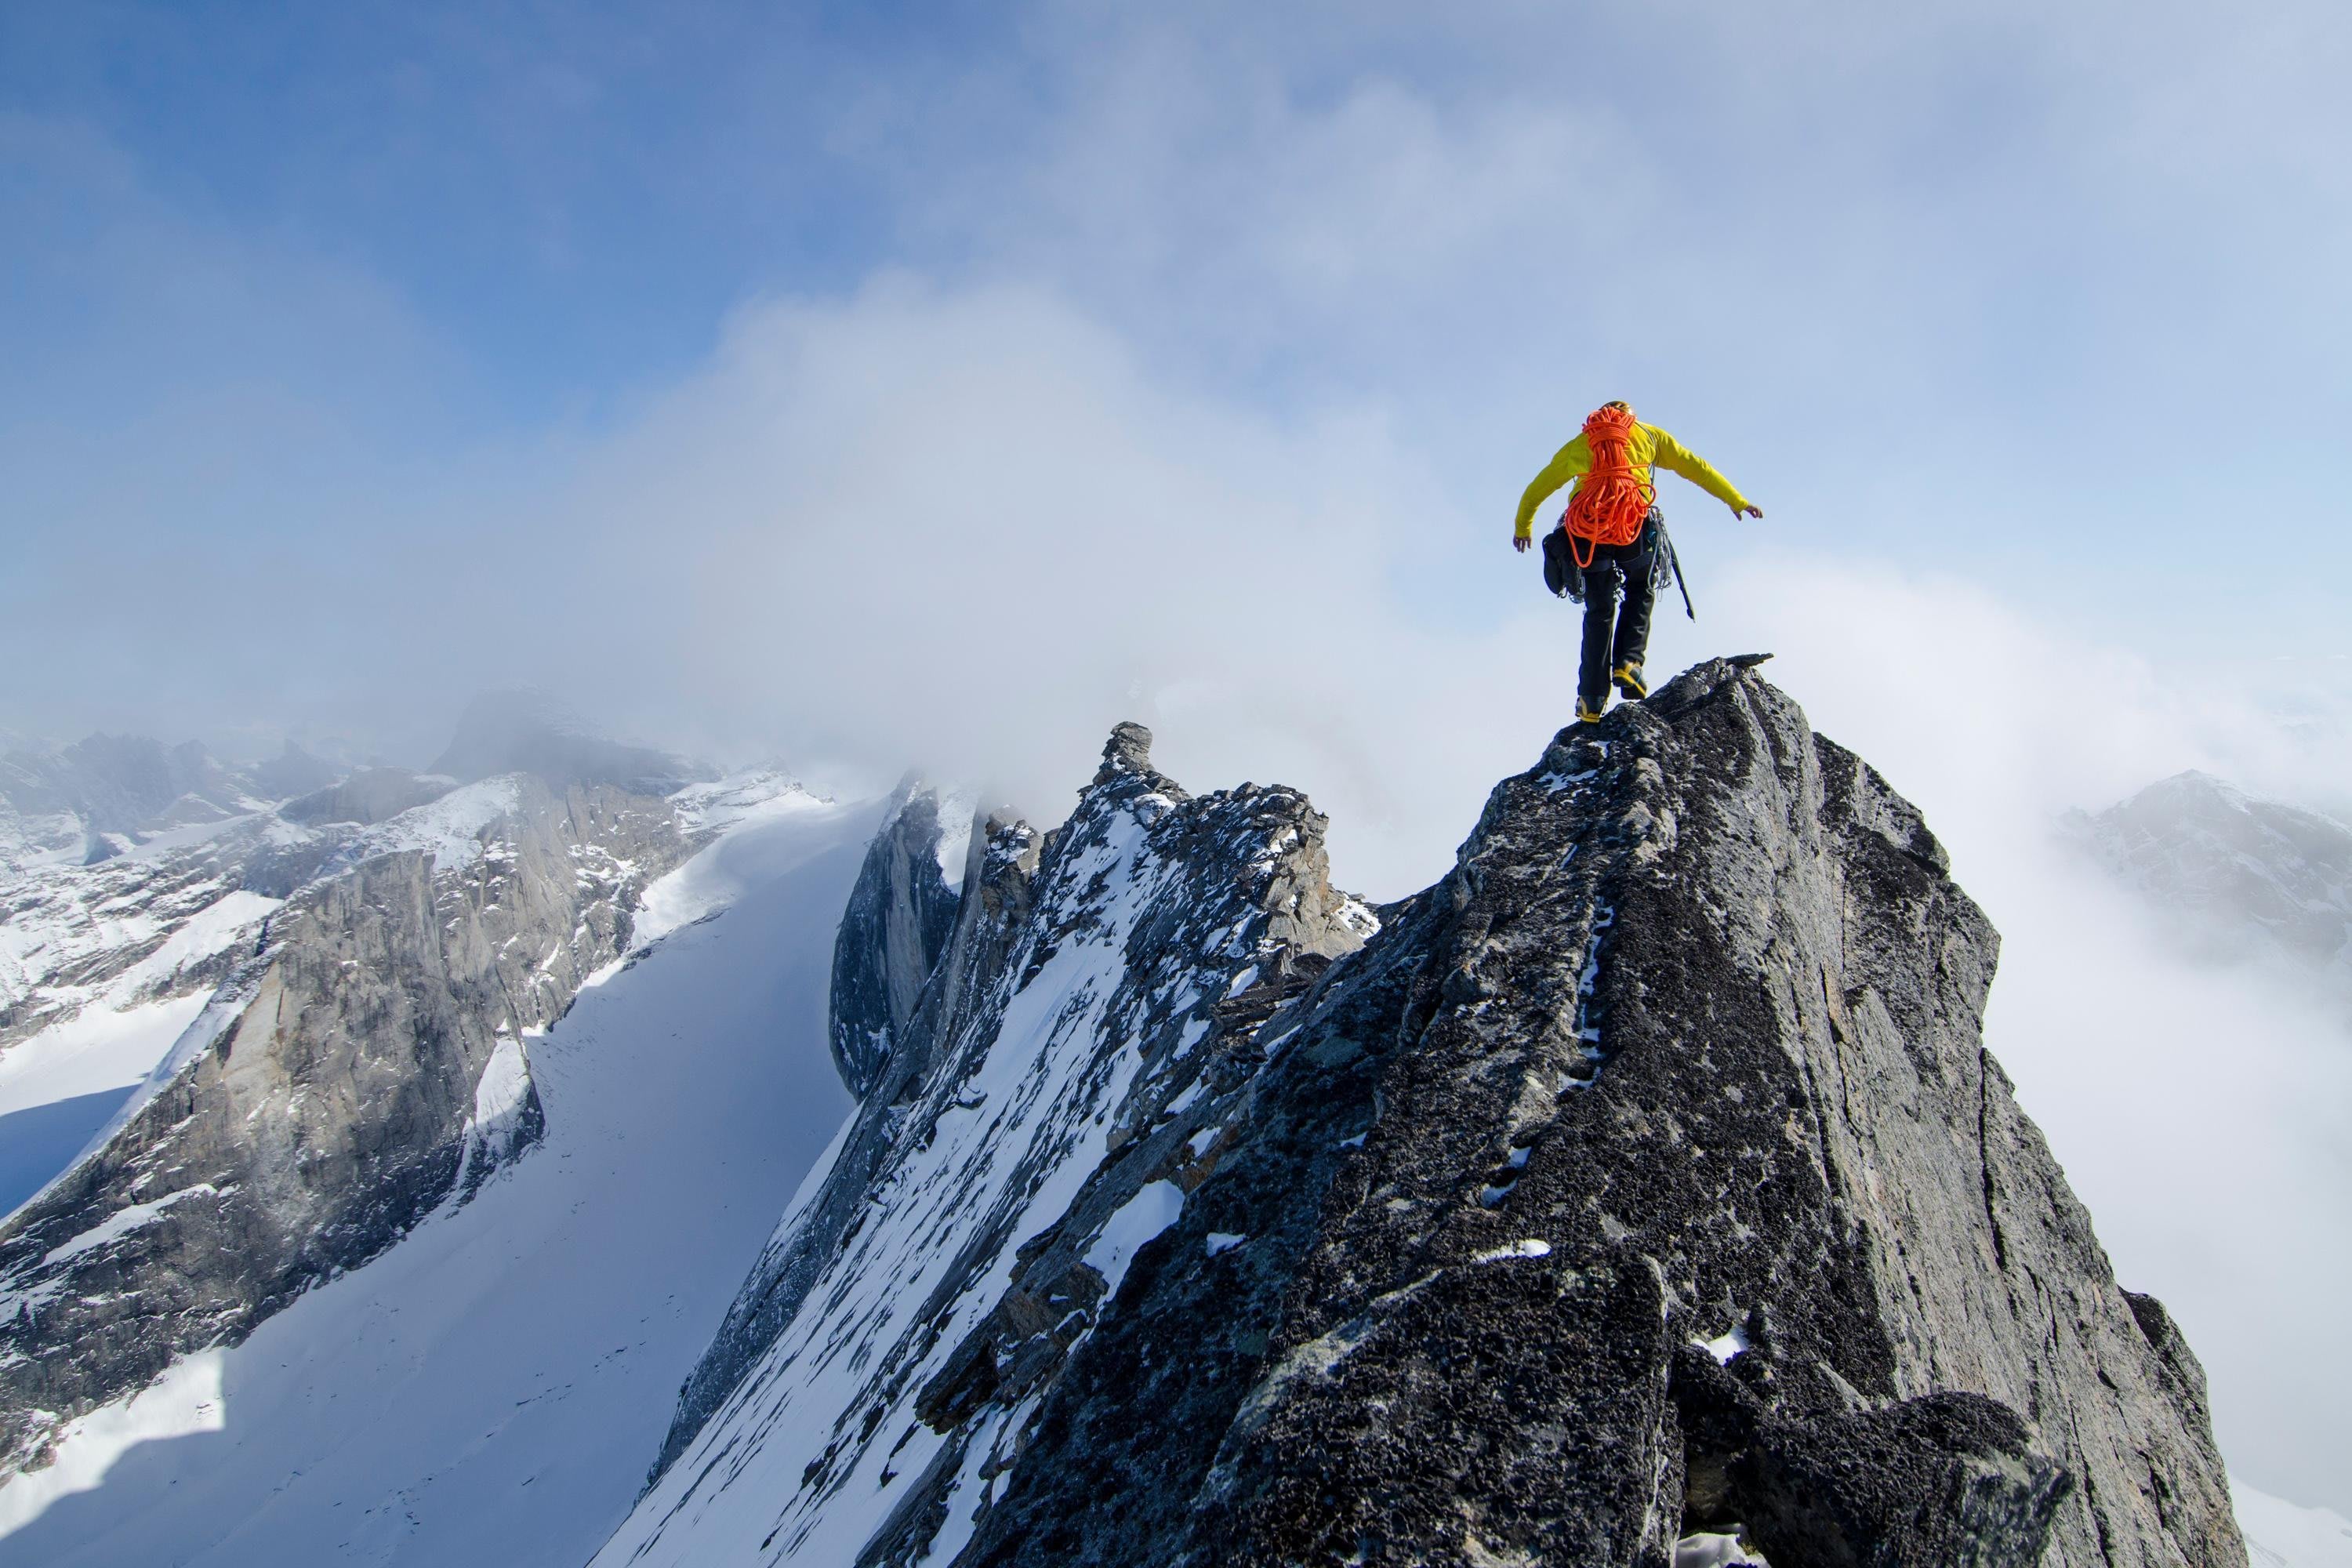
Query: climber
{"x":1613,"y":533}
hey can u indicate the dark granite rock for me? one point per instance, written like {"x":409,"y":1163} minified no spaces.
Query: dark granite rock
{"x":1185,"y":1226}
{"x":1687,"y":1043}
{"x":895,"y":931}
{"x":1942,"y":1479}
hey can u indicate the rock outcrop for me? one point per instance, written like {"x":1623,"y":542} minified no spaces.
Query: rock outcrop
{"x":364,"y":1062}
{"x":1645,"y":1177}
{"x":1096,"y":974}
{"x":896,"y":929}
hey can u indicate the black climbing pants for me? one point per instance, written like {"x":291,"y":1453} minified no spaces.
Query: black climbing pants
{"x":1617,"y":634}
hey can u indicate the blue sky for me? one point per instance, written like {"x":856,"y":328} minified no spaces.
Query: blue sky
{"x":883,"y":383}
{"x":345,"y":315}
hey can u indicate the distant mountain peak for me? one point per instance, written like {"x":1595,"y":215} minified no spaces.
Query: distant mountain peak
{"x":523,"y":729}
{"x":2245,"y":873}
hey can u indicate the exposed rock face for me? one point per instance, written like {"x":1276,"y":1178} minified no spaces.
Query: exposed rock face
{"x":366,"y":1064}
{"x":892,"y":934}
{"x":1686,"y":1045}
{"x":1214,"y":1254}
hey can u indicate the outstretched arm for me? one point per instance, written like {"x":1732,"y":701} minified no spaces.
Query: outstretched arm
{"x":1676,"y":459}
{"x":1566,"y":464}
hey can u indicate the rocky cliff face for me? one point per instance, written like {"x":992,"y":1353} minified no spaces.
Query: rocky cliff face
{"x":895,"y":931}
{"x":364,"y":1062}
{"x":1645,"y":1177}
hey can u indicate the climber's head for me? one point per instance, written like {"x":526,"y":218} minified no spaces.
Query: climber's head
{"x":1613,"y":420}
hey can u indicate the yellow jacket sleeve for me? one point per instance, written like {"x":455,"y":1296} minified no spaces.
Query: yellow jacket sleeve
{"x":1568,"y":462}
{"x":1676,"y":459}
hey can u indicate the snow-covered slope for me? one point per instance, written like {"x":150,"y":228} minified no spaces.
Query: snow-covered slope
{"x":364,"y":1057}
{"x":2281,"y":1535}
{"x":492,"y":1389}
{"x":1091,"y":977}
{"x":246,"y":1049}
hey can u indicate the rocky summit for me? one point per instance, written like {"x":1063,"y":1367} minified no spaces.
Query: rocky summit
{"x":1642,"y":1192}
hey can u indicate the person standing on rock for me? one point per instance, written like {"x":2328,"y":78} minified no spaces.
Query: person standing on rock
{"x":1613,"y":541}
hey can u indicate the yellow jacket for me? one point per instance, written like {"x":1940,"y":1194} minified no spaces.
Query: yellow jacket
{"x":1651,"y":448}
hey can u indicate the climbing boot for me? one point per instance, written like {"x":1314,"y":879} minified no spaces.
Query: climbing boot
{"x":1628,"y":679}
{"x":1588,"y":714}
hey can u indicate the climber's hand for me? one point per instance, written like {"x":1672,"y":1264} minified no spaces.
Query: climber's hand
{"x":1520,"y":542}
{"x":1755,"y":512}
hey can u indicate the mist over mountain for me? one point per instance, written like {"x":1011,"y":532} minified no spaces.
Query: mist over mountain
{"x":528,"y":731}
{"x":2236,"y":876}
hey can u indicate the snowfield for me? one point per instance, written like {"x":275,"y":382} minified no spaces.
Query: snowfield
{"x":2281,"y":1535}
{"x":738,"y":1493}
{"x":493,"y":1388}
{"x":60,"y":1090}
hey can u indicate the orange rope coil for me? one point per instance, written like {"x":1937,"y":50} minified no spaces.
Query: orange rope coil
{"x":1615,"y":501}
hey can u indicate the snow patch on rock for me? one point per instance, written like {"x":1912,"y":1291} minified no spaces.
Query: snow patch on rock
{"x":1151,"y":1210}
{"x":185,"y":1401}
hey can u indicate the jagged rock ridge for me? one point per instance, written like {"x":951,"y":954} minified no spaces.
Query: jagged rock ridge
{"x":1096,"y":974}
{"x":896,"y":929}
{"x":1411,"y":1258}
